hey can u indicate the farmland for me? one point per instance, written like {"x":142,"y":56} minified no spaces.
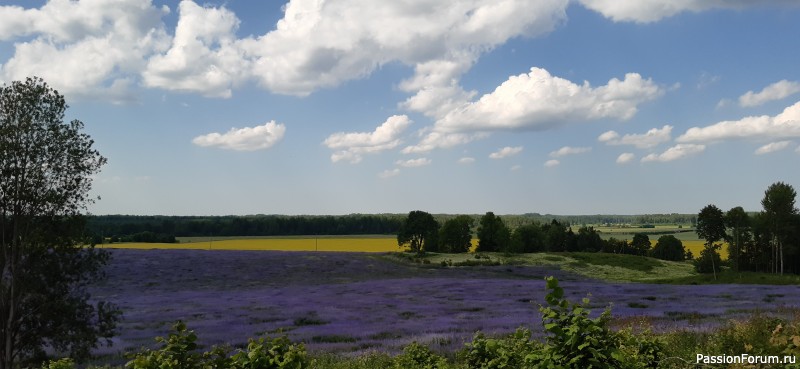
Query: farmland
{"x":369,"y":243}
{"x":357,"y":302}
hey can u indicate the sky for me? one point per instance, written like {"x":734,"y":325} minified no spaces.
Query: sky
{"x":360,"y":106}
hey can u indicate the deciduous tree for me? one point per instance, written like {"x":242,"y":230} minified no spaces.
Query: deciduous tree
{"x":711,"y":227}
{"x":46,"y":169}
{"x":778,"y":203}
{"x":456,"y":234}
{"x":493,"y":235}
{"x":419,"y":232}
{"x":668,"y":247}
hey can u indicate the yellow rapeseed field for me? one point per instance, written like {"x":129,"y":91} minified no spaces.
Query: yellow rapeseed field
{"x":378,"y":244}
{"x":695,"y":246}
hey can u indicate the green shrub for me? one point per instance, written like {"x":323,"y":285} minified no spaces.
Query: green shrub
{"x":492,"y":353}
{"x":177,"y":352}
{"x":578,"y":342}
{"x":271,"y":353}
{"x":416,"y":356}
{"x":65,"y":363}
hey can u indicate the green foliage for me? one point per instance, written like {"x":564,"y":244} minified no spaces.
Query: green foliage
{"x":588,"y":240}
{"x":640,"y":245}
{"x":275,"y":353}
{"x":46,"y":171}
{"x":416,"y":356}
{"x":494,"y":353}
{"x":179,"y":351}
{"x":419,"y":232}
{"x":65,"y":363}
{"x":575,"y":340}
{"x":493,"y":235}
{"x":709,"y":261}
{"x":527,"y":238}
{"x":668,"y":247}
{"x":455,"y":236}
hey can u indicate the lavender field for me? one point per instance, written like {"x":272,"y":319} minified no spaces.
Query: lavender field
{"x":351,"y":302}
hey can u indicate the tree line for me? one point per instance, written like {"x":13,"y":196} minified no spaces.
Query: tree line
{"x":764,"y":242}
{"x":130,"y":228}
{"x":421,"y":232}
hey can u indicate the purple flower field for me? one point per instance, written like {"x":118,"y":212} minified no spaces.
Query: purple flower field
{"x":349,"y":302}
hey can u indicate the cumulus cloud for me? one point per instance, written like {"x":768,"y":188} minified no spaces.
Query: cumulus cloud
{"x":414,"y":162}
{"x":566,"y":150}
{"x":352,"y":146}
{"x":784,"y":125}
{"x":676,"y":152}
{"x":651,"y":138}
{"x":320,"y":44}
{"x":552,"y":163}
{"x":625,"y":158}
{"x":772,"y":147}
{"x":647,"y":11}
{"x":100,"y":46}
{"x":389,"y":173}
{"x":315,"y":44}
{"x":506,"y":152}
{"x":775,"y":91}
{"x":244,"y":139}
{"x":466,"y":160}
{"x":538,"y":101}
{"x":204,"y":56}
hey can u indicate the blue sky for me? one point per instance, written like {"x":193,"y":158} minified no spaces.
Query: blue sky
{"x":359,"y":106}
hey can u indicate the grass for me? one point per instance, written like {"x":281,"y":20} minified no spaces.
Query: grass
{"x":733,"y":277}
{"x":608,"y":267}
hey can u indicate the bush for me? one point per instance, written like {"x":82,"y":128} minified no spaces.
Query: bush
{"x":275,"y":353}
{"x":416,"y":356}
{"x":179,"y":352}
{"x":491,"y":353}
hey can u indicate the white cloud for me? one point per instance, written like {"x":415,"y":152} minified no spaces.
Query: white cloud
{"x":466,"y":160}
{"x":440,"y":140}
{"x":516,"y":168}
{"x":775,"y":91}
{"x":538,"y":101}
{"x":414,"y":162}
{"x":244,"y":139}
{"x":552,"y":163}
{"x":321,"y":44}
{"x":676,"y":152}
{"x":100,"y":46}
{"x":651,"y":138}
{"x":389,"y":173}
{"x":351,"y":146}
{"x":625,"y":158}
{"x":784,"y":125}
{"x":506,"y":152}
{"x":772,"y":147}
{"x":317,"y":44}
{"x":566,"y":150}
{"x":646,"y":11}
{"x":204,"y":56}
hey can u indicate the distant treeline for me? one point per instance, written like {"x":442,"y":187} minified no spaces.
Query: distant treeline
{"x":155,"y":228}
{"x":135,"y":228}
